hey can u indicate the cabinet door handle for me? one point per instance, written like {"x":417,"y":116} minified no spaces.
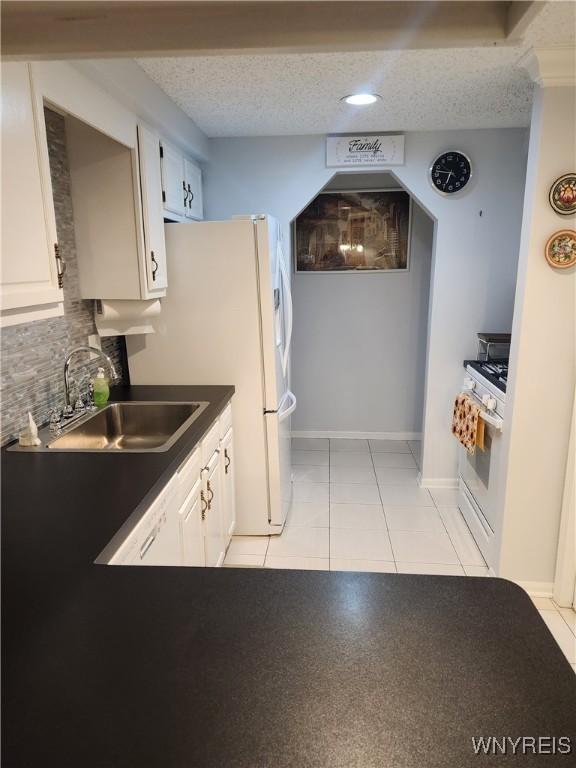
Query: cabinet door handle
{"x":204,"y":505}
{"x":60,"y":265}
{"x":211,"y":496}
{"x":154,"y":265}
{"x":190,"y":197}
{"x":228,"y":461}
{"x":185,"y":193}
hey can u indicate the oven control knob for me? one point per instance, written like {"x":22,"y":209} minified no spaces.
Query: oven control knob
{"x":469,"y":384}
{"x":489,"y":402}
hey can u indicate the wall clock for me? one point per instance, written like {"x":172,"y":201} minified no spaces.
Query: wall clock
{"x":560,"y":249}
{"x":450,"y":172}
{"x":563,"y":194}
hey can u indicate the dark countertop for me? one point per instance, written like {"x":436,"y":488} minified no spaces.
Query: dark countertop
{"x":237,"y":668}
{"x":88,"y":496}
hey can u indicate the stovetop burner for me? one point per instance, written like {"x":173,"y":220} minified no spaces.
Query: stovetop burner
{"x":495,"y":371}
{"x":499,"y":370}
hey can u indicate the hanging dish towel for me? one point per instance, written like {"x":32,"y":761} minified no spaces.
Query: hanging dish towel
{"x":467,"y":426}
{"x":480,"y":434}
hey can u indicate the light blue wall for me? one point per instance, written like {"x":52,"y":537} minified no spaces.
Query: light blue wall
{"x":360,"y":339}
{"x":474,"y":270}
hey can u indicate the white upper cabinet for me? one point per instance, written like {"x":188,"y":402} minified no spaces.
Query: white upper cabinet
{"x":151,"y":189}
{"x":181,"y":185}
{"x":193,"y":181}
{"x":125,"y":181}
{"x":107,"y":214}
{"x":115,"y":186}
{"x":173,"y":186}
{"x":30,"y":278}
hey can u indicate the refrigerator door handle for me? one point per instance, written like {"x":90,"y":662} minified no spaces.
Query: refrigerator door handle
{"x":287,"y":406}
{"x":288,"y":301}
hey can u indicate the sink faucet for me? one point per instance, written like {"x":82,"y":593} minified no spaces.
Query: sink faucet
{"x":84,"y":348}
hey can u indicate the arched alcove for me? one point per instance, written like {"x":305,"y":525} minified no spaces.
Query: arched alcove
{"x":360,"y":339}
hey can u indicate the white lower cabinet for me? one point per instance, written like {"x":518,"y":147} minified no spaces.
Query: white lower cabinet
{"x":192,"y":519}
{"x":228,"y":488}
{"x":214,"y":539}
{"x":191,"y":528}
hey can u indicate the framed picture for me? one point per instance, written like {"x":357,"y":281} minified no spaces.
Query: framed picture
{"x":351,"y":232}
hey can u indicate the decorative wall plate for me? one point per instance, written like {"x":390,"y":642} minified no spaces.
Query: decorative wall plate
{"x":561,"y":249}
{"x":563,"y":194}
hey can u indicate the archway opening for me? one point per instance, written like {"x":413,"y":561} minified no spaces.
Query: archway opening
{"x":360,"y":334}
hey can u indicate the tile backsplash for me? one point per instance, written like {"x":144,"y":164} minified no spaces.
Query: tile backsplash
{"x":32,"y":355}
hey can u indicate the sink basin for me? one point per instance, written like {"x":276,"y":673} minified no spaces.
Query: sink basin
{"x":133,"y":426}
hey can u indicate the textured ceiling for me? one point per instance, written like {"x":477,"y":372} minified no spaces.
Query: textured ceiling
{"x":284,"y":94}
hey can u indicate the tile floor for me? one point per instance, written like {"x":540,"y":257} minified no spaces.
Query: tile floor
{"x":562,"y":624}
{"x":357,"y":506}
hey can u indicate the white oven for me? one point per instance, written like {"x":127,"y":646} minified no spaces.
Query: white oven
{"x":480,"y":472}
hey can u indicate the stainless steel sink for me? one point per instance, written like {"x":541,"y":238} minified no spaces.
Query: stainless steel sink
{"x":121,"y":427}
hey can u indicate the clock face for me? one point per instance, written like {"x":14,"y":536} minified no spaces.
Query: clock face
{"x":450,"y":172}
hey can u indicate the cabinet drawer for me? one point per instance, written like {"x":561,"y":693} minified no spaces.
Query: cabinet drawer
{"x":225,"y":420}
{"x":210,"y":443}
{"x":188,"y":473}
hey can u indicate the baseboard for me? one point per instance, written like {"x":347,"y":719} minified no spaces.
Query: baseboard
{"x":357,"y":435}
{"x":437,"y":482}
{"x":537,"y":588}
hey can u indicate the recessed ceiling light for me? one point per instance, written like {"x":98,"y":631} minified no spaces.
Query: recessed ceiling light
{"x":361,"y":99}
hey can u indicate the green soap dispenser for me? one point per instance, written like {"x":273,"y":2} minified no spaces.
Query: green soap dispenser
{"x":101,"y":388}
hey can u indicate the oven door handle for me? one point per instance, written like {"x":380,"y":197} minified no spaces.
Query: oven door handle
{"x":494,"y":421}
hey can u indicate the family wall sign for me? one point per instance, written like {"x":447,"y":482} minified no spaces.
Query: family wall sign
{"x":364,"y":150}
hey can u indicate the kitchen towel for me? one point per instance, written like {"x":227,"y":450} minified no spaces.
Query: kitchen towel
{"x":467,"y":426}
{"x":480,"y":433}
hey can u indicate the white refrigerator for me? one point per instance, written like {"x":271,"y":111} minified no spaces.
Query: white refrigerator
{"x":227,"y":319}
